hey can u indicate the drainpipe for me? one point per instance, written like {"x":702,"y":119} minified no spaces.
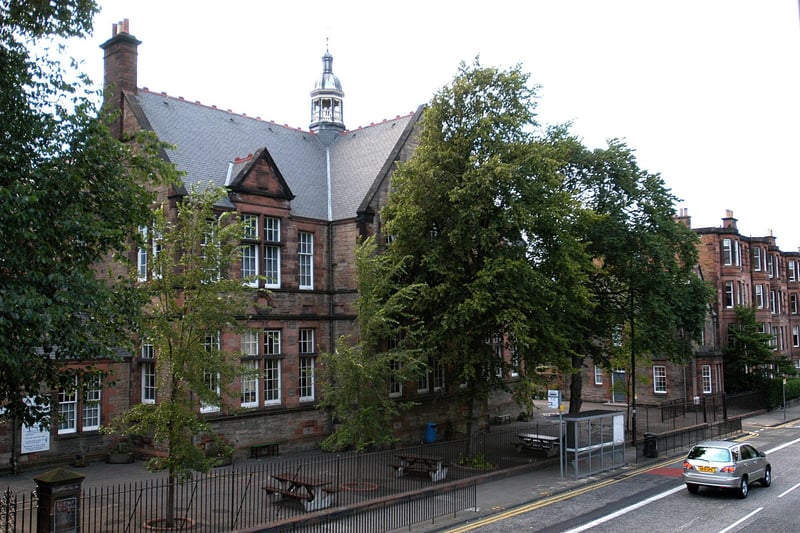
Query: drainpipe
{"x":330,"y":291}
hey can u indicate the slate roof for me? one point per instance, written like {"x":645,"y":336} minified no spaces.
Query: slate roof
{"x":206,"y":139}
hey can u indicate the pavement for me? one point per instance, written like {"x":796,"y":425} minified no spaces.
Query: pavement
{"x":496,"y":493}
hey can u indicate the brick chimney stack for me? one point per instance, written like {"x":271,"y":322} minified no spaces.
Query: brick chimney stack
{"x":120,"y":60}
{"x":729,"y":221}
{"x":683,"y":217}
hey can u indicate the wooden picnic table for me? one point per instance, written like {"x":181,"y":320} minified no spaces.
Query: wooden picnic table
{"x":534,"y":441}
{"x":434,"y":467}
{"x":313,"y":493}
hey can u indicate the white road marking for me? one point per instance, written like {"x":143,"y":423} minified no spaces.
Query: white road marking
{"x":742,"y":519}
{"x":626,"y":510}
{"x":782,"y":446}
{"x":787,"y":491}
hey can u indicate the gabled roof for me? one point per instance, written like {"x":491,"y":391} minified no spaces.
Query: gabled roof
{"x":206,"y":140}
{"x":241,"y":167}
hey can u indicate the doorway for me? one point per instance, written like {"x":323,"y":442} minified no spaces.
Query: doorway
{"x":619,"y":388}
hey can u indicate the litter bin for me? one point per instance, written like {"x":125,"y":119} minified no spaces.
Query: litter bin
{"x":430,"y":432}
{"x":650,"y":445}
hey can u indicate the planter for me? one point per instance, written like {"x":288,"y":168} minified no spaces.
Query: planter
{"x":118,"y":458}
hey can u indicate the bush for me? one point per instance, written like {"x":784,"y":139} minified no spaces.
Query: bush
{"x":775,"y":391}
{"x":476,"y":461}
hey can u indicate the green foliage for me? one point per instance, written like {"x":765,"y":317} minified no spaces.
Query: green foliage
{"x":516,"y":230}
{"x":356,"y":390}
{"x":356,"y":380}
{"x":191,"y":303}
{"x":478,"y":461}
{"x":750,"y":361}
{"x":64,"y":18}
{"x":482,"y":220}
{"x":70,"y":193}
{"x":776,"y":391}
{"x":649,"y":300}
{"x":647,"y":258}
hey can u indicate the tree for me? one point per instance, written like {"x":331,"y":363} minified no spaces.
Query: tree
{"x":750,"y":360}
{"x":191,"y":303}
{"x":523,"y":238}
{"x":70,"y":194}
{"x":357,"y":379}
{"x":650,"y":299}
{"x":484,"y":225}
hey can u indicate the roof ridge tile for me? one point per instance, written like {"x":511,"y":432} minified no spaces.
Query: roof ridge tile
{"x":212,"y":106}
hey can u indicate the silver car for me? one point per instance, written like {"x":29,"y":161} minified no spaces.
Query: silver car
{"x":726,"y":464}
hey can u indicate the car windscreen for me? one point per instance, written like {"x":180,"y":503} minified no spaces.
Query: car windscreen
{"x":717,"y":455}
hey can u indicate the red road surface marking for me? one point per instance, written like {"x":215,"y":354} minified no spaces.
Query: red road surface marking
{"x":667,"y":471}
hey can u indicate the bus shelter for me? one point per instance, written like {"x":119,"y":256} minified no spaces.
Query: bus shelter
{"x":594,"y":442}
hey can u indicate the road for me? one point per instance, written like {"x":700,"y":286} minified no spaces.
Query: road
{"x":655,"y":500}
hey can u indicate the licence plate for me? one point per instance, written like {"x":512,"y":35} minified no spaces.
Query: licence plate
{"x":706,"y":469}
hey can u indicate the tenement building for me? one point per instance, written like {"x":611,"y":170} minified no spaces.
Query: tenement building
{"x":743,"y":270}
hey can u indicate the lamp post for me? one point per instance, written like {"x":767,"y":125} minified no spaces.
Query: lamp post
{"x":633,"y":374}
{"x":784,"y":397}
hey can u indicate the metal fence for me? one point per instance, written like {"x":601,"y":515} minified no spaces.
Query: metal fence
{"x":385,"y":514}
{"x":711,"y":409}
{"x":17,"y":512}
{"x":684,"y":438}
{"x":369,"y":492}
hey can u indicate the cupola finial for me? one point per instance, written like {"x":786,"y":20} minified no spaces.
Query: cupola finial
{"x":327,"y":119}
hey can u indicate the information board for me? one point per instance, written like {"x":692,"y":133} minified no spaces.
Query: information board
{"x":34,"y":439}
{"x":554,"y":399}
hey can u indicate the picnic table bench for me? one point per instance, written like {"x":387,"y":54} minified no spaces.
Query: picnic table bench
{"x":434,"y":467}
{"x":534,"y":441}
{"x":503,"y":418}
{"x":313,"y":493}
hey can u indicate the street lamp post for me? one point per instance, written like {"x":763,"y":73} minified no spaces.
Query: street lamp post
{"x":784,"y":397}
{"x":633,"y":375}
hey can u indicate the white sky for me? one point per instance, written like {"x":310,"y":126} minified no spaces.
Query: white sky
{"x":706,"y":91}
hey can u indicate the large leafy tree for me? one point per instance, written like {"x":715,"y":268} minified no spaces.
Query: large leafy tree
{"x":191,"y":303}
{"x":70,"y":194}
{"x":750,"y":361}
{"x":521,"y":233}
{"x":650,"y":300}
{"x":482,"y":219}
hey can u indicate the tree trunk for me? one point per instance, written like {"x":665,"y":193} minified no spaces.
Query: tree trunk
{"x":170,"y":518}
{"x":576,"y":385}
{"x":471,"y":425}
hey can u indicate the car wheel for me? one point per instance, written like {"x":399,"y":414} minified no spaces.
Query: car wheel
{"x":766,"y":481}
{"x":692,"y":488}
{"x":744,"y":488}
